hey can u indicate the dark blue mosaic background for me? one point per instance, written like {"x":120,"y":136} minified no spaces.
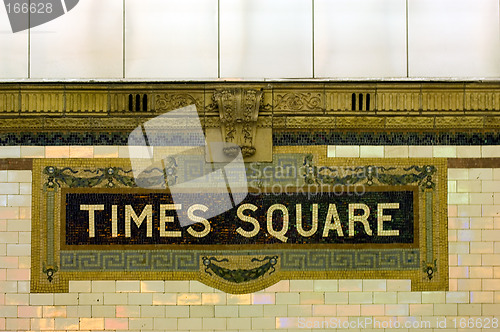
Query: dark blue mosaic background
{"x":385,"y":138}
{"x":283,"y":138}
{"x":223,"y":226}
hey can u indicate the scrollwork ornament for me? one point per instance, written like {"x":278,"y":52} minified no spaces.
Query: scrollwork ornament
{"x":430,"y":269}
{"x":299,"y":102}
{"x":168,"y":102}
{"x":369,"y":175}
{"x":50,"y":271}
{"x":238,"y":111}
{"x":240,"y":275}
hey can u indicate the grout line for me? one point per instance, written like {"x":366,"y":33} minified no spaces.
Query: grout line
{"x":313,"y":68}
{"x":123,"y":41}
{"x":407,"y":46}
{"x":29,"y":46}
{"x":218,"y":38}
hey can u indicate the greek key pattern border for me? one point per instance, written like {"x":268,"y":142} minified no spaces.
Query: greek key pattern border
{"x":350,"y":260}
{"x":140,"y":260}
{"x":291,"y":260}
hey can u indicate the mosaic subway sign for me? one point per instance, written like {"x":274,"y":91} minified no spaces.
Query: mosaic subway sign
{"x":93,"y":222}
{"x":378,"y":216}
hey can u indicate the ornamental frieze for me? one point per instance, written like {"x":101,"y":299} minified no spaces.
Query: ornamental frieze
{"x":385,"y":105}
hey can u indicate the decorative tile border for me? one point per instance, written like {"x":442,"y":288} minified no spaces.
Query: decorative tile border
{"x":427,"y":266}
{"x":341,"y":260}
{"x":136,"y":260}
{"x":161,"y":260}
{"x":26,"y":163}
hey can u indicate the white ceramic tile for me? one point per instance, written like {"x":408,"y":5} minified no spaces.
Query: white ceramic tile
{"x":469,"y":151}
{"x":360,"y":38}
{"x":416,"y":151}
{"x":454,"y":38}
{"x":347,"y":151}
{"x":396,"y":151}
{"x":266,"y":39}
{"x":14,"y":53}
{"x":445,"y":151}
{"x":490,"y":151}
{"x":87,"y":42}
{"x":171,"y":39}
{"x":10,"y":152}
{"x":331,"y":151}
{"x":371,"y":151}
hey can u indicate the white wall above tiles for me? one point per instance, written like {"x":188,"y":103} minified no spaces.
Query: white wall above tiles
{"x":266,"y":39}
{"x":171,"y":39}
{"x":359,"y":38}
{"x":454,"y":38}
{"x":14,"y":50}
{"x":257,"y":39}
{"x":87,"y":42}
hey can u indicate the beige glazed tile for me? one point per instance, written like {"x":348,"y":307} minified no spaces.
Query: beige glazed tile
{"x":10,"y":151}
{"x":420,"y":151}
{"x":32,"y":151}
{"x":57,"y":152}
{"x":347,"y":151}
{"x":81,"y":152}
{"x":396,"y":151}
{"x":444,"y":151}
{"x":371,"y":151}
{"x":106,"y":152}
{"x":468,"y":152}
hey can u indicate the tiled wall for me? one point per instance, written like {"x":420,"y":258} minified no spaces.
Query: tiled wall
{"x":258,"y":39}
{"x":474,"y":248}
{"x":346,"y":151}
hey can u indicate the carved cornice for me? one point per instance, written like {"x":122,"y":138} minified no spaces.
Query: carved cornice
{"x":342,"y":106}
